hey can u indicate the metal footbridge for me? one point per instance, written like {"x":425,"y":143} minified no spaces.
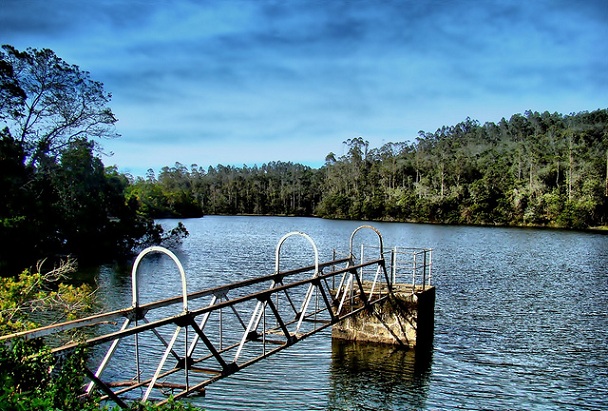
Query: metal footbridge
{"x":180,"y":345}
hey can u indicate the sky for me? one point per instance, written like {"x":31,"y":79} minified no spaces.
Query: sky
{"x":244,"y":82}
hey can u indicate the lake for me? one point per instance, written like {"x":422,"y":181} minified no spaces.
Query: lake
{"x":520,"y":319}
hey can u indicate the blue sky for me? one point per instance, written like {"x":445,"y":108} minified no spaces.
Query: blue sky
{"x":238,"y":82}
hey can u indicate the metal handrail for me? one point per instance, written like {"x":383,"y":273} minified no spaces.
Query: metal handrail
{"x":104,"y":318}
{"x":163,"y":250}
{"x":381,"y":244}
{"x":417,"y":262}
{"x":291,"y":234}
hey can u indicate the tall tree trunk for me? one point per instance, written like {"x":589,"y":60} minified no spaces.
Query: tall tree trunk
{"x":442,"y":179}
{"x":606,"y":190}
{"x":530,"y":178}
{"x":570,"y":168}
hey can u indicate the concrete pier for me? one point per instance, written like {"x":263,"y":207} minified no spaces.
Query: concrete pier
{"x":407,"y":319}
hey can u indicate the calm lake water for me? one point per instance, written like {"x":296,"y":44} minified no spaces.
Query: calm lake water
{"x":520,"y":320}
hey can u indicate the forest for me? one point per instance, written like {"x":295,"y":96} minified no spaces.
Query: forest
{"x":534,"y":169}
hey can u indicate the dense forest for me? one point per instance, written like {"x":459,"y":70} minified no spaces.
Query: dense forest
{"x":535,"y":169}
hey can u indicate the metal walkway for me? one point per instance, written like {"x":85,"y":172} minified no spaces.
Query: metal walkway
{"x":181,"y":345}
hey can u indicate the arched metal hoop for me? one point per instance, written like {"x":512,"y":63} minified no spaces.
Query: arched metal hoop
{"x":285,"y":237}
{"x":352,"y":236}
{"x":163,"y":250}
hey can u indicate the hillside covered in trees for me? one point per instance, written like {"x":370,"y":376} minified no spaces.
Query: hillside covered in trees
{"x":535,"y":169}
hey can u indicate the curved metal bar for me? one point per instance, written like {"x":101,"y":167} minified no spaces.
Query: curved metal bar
{"x":311,"y":287}
{"x":182,"y":273}
{"x":285,"y":237}
{"x":371,"y":228}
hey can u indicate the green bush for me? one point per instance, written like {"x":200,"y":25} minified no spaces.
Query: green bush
{"x":33,"y":379}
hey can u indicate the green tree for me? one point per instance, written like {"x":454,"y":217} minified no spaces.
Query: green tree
{"x":56,"y":196}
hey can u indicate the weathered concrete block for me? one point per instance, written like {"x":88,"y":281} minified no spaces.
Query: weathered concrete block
{"x":406,"y":319}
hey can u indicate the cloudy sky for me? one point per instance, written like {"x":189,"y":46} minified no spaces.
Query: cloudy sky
{"x":238,"y":82}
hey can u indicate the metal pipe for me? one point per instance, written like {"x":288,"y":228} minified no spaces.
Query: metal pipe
{"x":106,"y":358}
{"x":424,"y":270}
{"x":161,"y":364}
{"x":285,"y":237}
{"x":371,"y":228}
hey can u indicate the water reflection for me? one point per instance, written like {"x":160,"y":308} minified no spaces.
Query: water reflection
{"x":377,"y":377}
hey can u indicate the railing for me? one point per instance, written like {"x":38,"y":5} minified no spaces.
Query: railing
{"x":412,"y":266}
{"x":366,"y":278}
{"x":408,"y":266}
{"x":185,"y":343}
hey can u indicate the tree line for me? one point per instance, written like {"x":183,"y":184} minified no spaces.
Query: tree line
{"x":534,"y":169}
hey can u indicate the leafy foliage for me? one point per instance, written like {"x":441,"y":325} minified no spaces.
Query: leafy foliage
{"x":31,"y":377}
{"x":68,"y":206}
{"x":51,"y":103}
{"x":24,"y":297}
